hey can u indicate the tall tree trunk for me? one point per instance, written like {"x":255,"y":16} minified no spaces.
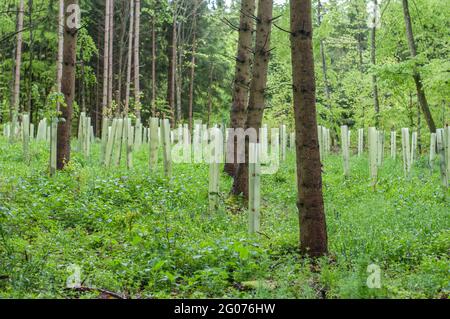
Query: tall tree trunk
{"x":137,"y":89}
{"x":59,"y":61}
{"x":18,"y":63}
{"x":242,"y":75}
{"x":123,"y":31}
{"x":313,"y":232}
{"x":30,"y":64}
{"x":130,"y":57}
{"x":193,"y":61}
{"x":179,"y":62}
{"x":416,"y":75}
{"x":256,"y":103}
{"x":67,"y":88}
{"x":106,"y":59}
{"x":111,"y":54}
{"x":373,"y":52}
{"x":153,"y":101}
{"x":171,"y":71}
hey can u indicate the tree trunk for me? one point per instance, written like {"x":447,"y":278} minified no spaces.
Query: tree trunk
{"x":137,"y":89}
{"x":123,"y":33}
{"x":256,"y":103}
{"x":130,"y":57}
{"x":111,"y":54}
{"x":313,"y":233}
{"x":193,"y":53}
{"x":153,"y":101}
{"x":18,"y":63}
{"x":242,"y":75}
{"x":67,"y":88}
{"x":106,"y":59}
{"x":172,"y":56}
{"x":30,"y":64}
{"x":416,"y":75}
{"x":373,"y":52}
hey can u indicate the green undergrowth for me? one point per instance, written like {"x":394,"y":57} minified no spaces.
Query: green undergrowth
{"x":137,"y":234}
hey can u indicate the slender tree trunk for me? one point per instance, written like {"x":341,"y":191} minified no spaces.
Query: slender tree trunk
{"x":106,"y":59}
{"x":313,"y":232}
{"x":130,"y":57}
{"x":123,"y":31}
{"x":18,"y":63}
{"x":179,"y":62}
{"x":256,"y":103}
{"x":67,"y":88}
{"x":111,"y":55}
{"x":373,"y":52}
{"x":242,"y":75}
{"x":59,"y":67}
{"x":172,"y":55}
{"x":137,"y":89}
{"x":30,"y":64}
{"x":193,"y":61}
{"x":416,"y":75}
{"x":153,"y":101}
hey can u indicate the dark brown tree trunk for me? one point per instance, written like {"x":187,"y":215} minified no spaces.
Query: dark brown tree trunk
{"x":67,"y":88}
{"x":242,"y":75}
{"x":313,"y":231}
{"x":256,"y":103}
{"x":416,"y":75}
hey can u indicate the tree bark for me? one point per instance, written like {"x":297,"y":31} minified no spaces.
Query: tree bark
{"x":256,"y":103}
{"x":137,"y":89}
{"x":373,"y":52}
{"x":193,"y":61}
{"x":130,"y":57}
{"x":416,"y":75}
{"x":67,"y":88}
{"x":106,"y":59}
{"x":18,"y":63}
{"x":111,"y":54}
{"x":242,"y":75}
{"x":153,"y":101}
{"x":313,"y":233}
{"x":171,"y":71}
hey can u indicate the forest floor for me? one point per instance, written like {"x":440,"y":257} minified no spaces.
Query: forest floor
{"x":138,"y":235}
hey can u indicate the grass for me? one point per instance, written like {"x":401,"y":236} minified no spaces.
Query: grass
{"x":140,"y":235}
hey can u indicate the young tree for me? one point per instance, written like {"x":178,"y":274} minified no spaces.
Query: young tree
{"x":172,"y":56}
{"x":256,"y":102}
{"x":313,"y":232}
{"x":416,"y":75}
{"x":153,"y":101}
{"x":68,"y":82}
{"x":242,"y":75}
